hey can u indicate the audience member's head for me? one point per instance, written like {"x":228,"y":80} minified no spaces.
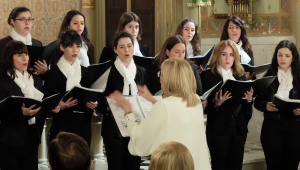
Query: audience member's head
{"x":171,"y":156}
{"x":69,"y":152}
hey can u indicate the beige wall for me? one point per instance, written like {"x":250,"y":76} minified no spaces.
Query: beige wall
{"x":48,"y":15}
{"x":296,"y":22}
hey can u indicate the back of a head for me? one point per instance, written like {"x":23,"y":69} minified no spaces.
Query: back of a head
{"x":69,"y":152}
{"x":171,"y":156}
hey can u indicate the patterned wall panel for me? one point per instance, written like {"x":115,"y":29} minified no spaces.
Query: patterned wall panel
{"x":48,"y":15}
{"x":264,"y":24}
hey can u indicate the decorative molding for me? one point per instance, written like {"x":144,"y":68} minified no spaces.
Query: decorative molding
{"x":87,"y":4}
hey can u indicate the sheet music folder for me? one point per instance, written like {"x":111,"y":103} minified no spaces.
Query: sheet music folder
{"x":13,"y":102}
{"x":286,"y":106}
{"x":83,"y":95}
{"x":256,"y":69}
{"x":140,"y":107}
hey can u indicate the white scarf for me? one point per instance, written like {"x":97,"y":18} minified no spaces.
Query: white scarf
{"x":71,"y":72}
{"x":285,"y":82}
{"x":82,"y":56}
{"x":128,"y":74}
{"x":26,"y":40}
{"x":245,"y":59}
{"x":137,"y":51}
{"x":225,"y":74}
{"x":189,"y":50}
{"x":27,"y":85}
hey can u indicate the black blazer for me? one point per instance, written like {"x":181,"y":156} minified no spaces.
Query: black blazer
{"x":14,"y":128}
{"x":219,"y":120}
{"x":66,"y":120}
{"x":267,"y":96}
{"x":115,"y":81}
{"x":108,"y":53}
{"x":5,"y":40}
{"x":154,"y":80}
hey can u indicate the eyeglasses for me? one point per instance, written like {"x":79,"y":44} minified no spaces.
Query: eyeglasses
{"x":23,"y":20}
{"x":159,"y":74}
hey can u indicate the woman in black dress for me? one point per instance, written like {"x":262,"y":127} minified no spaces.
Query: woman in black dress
{"x":131,"y":23}
{"x":122,"y":75}
{"x":174,"y":46}
{"x":280,"y":133}
{"x":227,"y":117}
{"x":21,"y":20}
{"x":65,"y":73}
{"x":20,"y":128}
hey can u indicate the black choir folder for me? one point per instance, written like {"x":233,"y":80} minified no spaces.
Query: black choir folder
{"x":143,"y":60}
{"x":140,"y":107}
{"x":202,"y":60}
{"x":286,"y":106}
{"x":83,"y":95}
{"x":42,"y":53}
{"x":256,"y":69}
{"x":47,"y":103}
{"x":238,"y":88}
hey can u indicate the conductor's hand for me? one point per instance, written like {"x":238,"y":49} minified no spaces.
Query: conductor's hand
{"x":144,"y":92}
{"x":203,"y":104}
{"x":56,"y":109}
{"x":91,"y":105}
{"x":121,"y":101}
{"x":249,"y":76}
{"x":29,"y":111}
{"x":271,"y":107}
{"x":69,"y":103}
{"x":40,"y":67}
{"x":296,"y":112}
{"x":248,"y":95}
{"x":222,"y":98}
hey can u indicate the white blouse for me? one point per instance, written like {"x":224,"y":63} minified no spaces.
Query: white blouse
{"x":170,"y":120}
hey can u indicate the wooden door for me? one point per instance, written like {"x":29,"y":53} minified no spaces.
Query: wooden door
{"x":113,"y":11}
{"x":146,"y":12}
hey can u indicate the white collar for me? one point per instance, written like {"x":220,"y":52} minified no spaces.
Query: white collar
{"x":71,"y":72}
{"x":245,"y":59}
{"x":285,"y":82}
{"x":226,"y":74}
{"x":27,"y":40}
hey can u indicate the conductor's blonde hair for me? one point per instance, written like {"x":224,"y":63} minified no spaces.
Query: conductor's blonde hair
{"x":179,"y":81}
{"x":171,"y":156}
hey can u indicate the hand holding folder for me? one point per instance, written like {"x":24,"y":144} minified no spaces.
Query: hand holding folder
{"x":287,"y":107}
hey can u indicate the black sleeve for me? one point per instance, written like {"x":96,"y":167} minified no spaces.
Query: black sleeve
{"x":107,"y":54}
{"x":198,"y":80}
{"x":262,"y":99}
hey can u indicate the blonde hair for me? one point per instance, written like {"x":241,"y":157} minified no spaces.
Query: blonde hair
{"x":171,"y":156}
{"x":179,"y":81}
{"x":237,"y":68}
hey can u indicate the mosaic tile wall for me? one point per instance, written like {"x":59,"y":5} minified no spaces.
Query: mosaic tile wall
{"x":48,"y":15}
{"x":272,"y":21}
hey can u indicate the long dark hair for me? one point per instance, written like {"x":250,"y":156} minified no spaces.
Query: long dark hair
{"x":295,"y":65}
{"x":7,"y":60}
{"x":168,"y":45}
{"x":125,"y":19}
{"x":85,"y":37}
{"x":195,"y":42}
{"x":237,"y":21}
{"x":69,"y":38}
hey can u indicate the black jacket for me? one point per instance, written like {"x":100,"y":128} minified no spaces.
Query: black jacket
{"x":219,"y":119}
{"x":108,"y":53}
{"x":114,"y":82}
{"x":267,"y":95}
{"x":154,"y":80}
{"x":5,"y":40}
{"x":66,"y":120}
{"x":14,"y":128}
